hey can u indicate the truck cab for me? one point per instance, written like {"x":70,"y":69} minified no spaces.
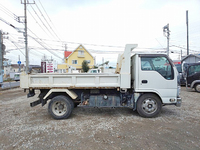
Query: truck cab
{"x":156,"y":74}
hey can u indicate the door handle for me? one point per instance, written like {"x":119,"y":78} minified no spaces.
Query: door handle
{"x":144,"y":81}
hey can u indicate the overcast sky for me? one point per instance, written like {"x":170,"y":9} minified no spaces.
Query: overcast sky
{"x":102,"y":26}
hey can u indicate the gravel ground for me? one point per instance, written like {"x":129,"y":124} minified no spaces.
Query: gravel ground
{"x":23,"y":127}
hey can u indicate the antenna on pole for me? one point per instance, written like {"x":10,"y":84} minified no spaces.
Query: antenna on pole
{"x":166,"y":30}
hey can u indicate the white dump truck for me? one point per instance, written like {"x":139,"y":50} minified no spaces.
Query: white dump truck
{"x":142,"y":82}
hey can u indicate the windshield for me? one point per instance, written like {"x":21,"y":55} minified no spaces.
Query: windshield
{"x":178,"y":67}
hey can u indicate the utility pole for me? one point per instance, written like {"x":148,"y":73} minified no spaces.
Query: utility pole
{"x":187,"y":33}
{"x":65,"y":52}
{"x":1,"y":58}
{"x":166,"y":30}
{"x":26,"y":38}
{"x":181,"y":54}
{"x":25,"y":35}
{"x":2,"y":52}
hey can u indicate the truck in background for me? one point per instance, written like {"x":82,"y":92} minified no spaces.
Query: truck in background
{"x":178,"y":65}
{"x":193,"y":76}
{"x":142,"y":82}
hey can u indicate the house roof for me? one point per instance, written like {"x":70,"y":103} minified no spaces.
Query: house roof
{"x":16,"y":65}
{"x":191,"y":55}
{"x":83,"y":48}
{"x":67,"y":53}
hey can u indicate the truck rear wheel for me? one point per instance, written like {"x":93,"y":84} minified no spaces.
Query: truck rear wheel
{"x":60,"y":107}
{"x":149,"y":105}
{"x":197,"y":88}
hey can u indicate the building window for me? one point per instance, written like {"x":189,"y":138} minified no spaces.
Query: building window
{"x":74,"y":62}
{"x":80,"y":52}
{"x":88,"y":61}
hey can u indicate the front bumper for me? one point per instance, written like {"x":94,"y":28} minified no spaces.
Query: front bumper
{"x":179,"y":101}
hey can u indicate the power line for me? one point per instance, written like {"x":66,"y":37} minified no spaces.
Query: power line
{"x":48,"y":18}
{"x":8,"y":12}
{"x":37,"y":21}
{"x":45,"y":47}
{"x":41,"y":21}
{"x":31,"y":37}
{"x":84,"y":43}
{"x":16,"y":45}
{"x":46,"y":21}
{"x":184,"y":48}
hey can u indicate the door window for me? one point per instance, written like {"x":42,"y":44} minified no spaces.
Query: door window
{"x":158,"y":63}
{"x":194,"y":69}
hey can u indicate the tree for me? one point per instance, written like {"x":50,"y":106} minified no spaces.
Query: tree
{"x":85,"y":66}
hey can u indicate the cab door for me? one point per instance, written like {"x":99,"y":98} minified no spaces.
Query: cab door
{"x":156,"y":74}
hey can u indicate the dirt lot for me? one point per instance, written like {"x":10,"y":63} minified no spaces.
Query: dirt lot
{"x":23,"y":127}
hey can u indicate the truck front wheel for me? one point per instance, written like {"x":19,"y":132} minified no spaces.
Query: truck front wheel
{"x":149,"y":105}
{"x":197,"y":88}
{"x":60,"y":107}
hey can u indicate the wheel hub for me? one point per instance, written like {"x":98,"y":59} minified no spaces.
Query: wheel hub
{"x":198,"y":87}
{"x":149,"y":106}
{"x":59,"y":108}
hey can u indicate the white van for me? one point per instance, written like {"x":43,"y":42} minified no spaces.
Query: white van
{"x":17,"y":76}
{"x":94,"y":71}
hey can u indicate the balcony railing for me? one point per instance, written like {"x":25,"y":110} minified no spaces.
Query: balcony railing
{"x":82,"y":56}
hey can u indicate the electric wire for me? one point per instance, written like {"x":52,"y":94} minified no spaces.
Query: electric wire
{"x":15,"y":44}
{"x":41,"y":20}
{"x":49,"y":19}
{"x":101,"y":45}
{"x":8,"y":12}
{"x":46,"y":21}
{"x":37,"y":21}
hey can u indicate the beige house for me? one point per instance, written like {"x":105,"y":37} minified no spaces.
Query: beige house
{"x":73,"y":60}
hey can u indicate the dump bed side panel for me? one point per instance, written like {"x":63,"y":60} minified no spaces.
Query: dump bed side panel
{"x":76,"y":81}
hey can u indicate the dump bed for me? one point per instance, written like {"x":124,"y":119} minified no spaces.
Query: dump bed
{"x":121,"y":79}
{"x":69,"y":81}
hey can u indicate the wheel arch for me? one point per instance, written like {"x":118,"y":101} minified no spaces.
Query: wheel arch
{"x":153,"y":93}
{"x":149,"y":109}
{"x":194,"y":83}
{"x":69,"y":93}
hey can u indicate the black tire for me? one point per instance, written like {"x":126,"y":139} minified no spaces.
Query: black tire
{"x":60,"y":107}
{"x":149,"y":105}
{"x":197,"y":88}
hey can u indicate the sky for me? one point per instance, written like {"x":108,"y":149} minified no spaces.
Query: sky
{"x":102,"y":27}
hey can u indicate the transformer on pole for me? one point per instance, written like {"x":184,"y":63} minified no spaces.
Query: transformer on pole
{"x":166,"y":30}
